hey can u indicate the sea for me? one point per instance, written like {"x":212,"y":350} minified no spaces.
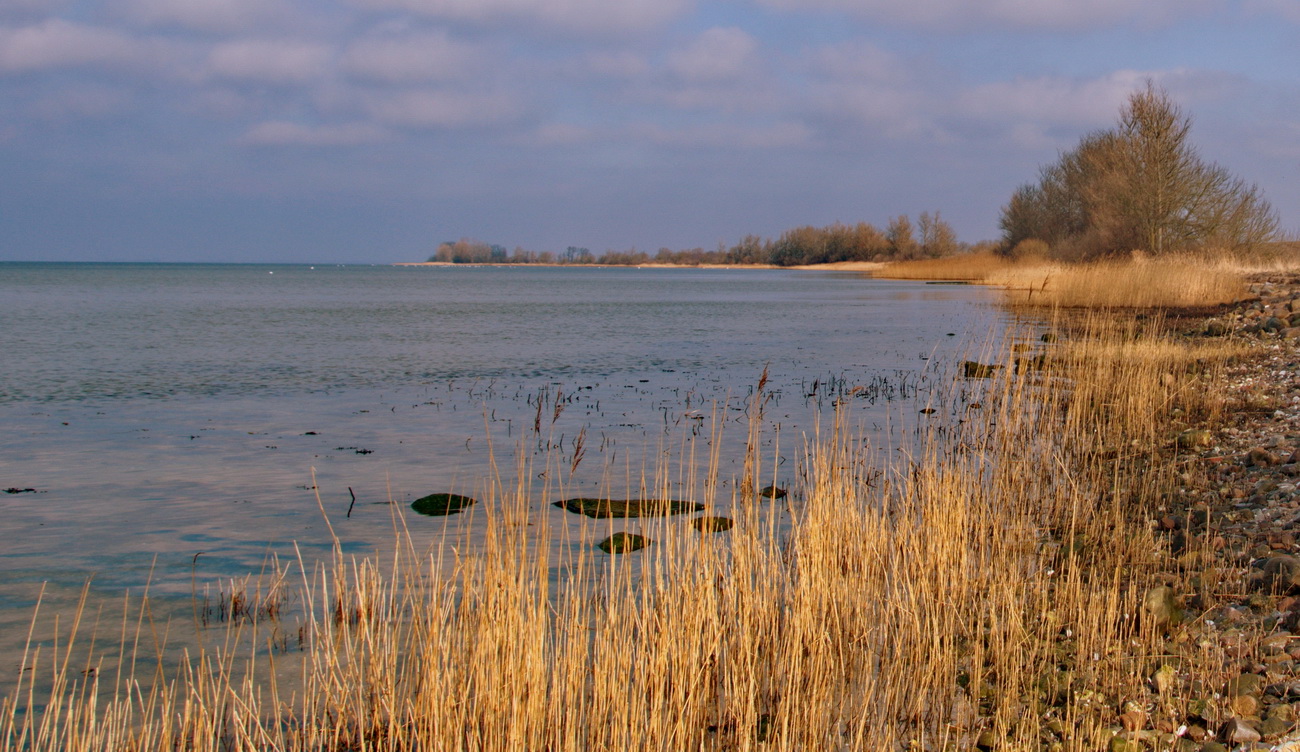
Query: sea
{"x":169,"y":426}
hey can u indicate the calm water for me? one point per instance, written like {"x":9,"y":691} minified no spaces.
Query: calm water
{"x":164,"y":411}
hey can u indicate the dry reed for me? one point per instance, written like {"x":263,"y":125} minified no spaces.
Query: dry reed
{"x":985,"y":585}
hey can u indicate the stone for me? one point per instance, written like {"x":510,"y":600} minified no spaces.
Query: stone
{"x":1272,"y":324}
{"x":605,"y":508}
{"x":1281,"y":574}
{"x":1245,"y":684}
{"x":974,"y":370}
{"x":1274,"y":726}
{"x":441,"y":504}
{"x":1120,"y":744}
{"x":712,"y":524}
{"x":1260,"y":457}
{"x":623,"y":543}
{"x":1160,"y":604}
{"x":1195,"y":437}
{"x":1237,"y":731}
{"x":1215,"y":328}
{"x":1164,"y":679}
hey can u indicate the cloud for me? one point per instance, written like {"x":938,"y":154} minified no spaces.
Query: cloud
{"x":718,"y":54}
{"x":282,"y":133}
{"x":432,"y":56}
{"x":56,"y":43}
{"x":724,"y":135}
{"x":1287,"y":9}
{"x":208,"y":15}
{"x":1086,"y":103}
{"x":77,"y":102}
{"x":271,"y":61}
{"x":436,"y":108}
{"x":570,"y":15}
{"x":960,"y":15}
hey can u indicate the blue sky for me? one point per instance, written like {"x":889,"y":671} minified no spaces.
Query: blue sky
{"x":371,"y":130}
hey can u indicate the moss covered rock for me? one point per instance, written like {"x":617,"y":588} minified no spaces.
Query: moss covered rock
{"x":440,"y":504}
{"x":603,"y":508}
{"x":623,"y":543}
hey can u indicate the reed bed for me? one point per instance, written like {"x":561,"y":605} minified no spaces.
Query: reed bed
{"x":1136,"y":282}
{"x":985,"y":586}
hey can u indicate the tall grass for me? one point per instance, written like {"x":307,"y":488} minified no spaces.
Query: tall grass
{"x":986,"y":584}
{"x":1138,"y":282}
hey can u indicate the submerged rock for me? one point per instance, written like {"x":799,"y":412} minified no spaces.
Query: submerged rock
{"x":974,"y":370}
{"x":712,"y":524}
{"x":623,"y":543}
{"x":602,"y":508}
{"x":440,"y":504}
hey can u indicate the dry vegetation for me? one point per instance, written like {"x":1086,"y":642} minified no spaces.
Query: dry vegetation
{"x":1138,"y":282}
{"x":993,"y":586}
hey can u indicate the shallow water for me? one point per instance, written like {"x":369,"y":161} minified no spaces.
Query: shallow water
{"x":170,"y":418}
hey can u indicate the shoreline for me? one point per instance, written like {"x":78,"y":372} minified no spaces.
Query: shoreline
{"x":846,"y":266}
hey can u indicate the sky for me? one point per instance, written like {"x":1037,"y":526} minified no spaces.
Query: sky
{"x":370,"y":131}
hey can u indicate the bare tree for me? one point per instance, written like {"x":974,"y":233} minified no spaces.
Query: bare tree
{"x":1141,"y":186}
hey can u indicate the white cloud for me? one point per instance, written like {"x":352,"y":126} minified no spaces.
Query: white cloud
{"x":208,"y":15}
{"x":1052,"y":100}
{"x":272,"y":61}
{"x":56,"y":43}
{"x":424,"y":57}
{"x":434,"y":108}
{"x":282,"y":133}
{"x":959,"y":15}
{"x":572,"y":15}
{"x":718,"y":54}
{"x":1287,"y":9}
{"x":76,"y":102}
{"x":725,"y":135}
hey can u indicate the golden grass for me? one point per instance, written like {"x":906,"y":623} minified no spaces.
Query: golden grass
{"x":989,"y":580}
{"x":1138,"y":282}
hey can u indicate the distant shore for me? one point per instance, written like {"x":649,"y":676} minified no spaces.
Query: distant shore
{"x":840,"y":266}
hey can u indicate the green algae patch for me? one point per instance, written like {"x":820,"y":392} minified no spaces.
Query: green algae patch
{"x":712,"y":524}
{"x":602,"y":508}
{"x":440,"y":504}
{"x":623,"y":543}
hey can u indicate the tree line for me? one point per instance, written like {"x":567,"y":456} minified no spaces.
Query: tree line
{"x":929,"y":237}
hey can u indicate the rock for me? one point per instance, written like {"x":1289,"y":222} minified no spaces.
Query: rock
{"x":712,"y":524}
{"x":441,"y":504}
{"x":1160,"y":604}
{"x":1120,"y":744}
{"x":1274,"y":726}
{"x":986,"y":740}
{"x":1164,"y":679}
{"x":1195,"y":437}
{"x":604,"y":508}
{"x":1244,"y":705}
{"x":1272,"y":324}
{"x":973,"y":370}
{"x":1237,"y":731}
{"x":1281,"y":574}
{"x":623,"y":543}
{"x":772,"y":492}
{"x":1260,"y":457}
{"x":1215,"y":328}
{"x":1213,"y":747}
{"x":1245,"y":684}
